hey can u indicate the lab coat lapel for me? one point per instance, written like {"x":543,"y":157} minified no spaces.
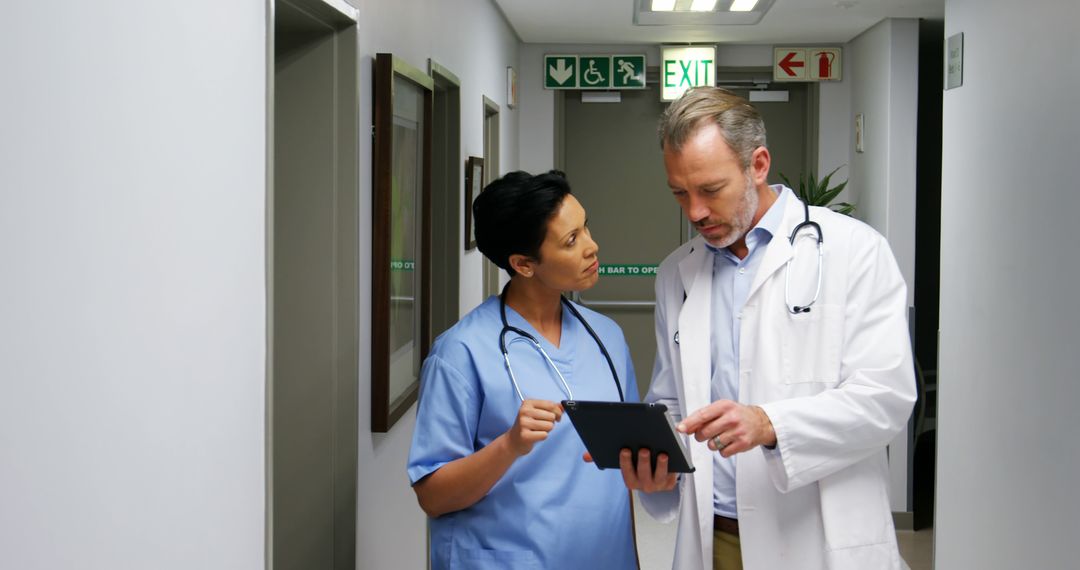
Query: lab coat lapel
{"x":694,"y":350}
{"x":696,"y":272}
{"x":779,"y":250}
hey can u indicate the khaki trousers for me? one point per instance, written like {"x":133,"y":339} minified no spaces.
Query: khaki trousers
{"x":727,"y":554}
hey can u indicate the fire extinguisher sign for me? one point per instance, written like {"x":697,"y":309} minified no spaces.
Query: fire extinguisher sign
{"x":824,"y":64}
{"x":806,"y":64}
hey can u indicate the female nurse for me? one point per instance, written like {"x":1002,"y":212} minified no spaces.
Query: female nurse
{"x":493,"y":461}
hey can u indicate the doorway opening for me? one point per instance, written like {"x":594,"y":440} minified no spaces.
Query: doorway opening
{"x":615,"y":167}
{"x":446,"y":192}
{"x":313,"y":268}
{"x":491,"y":172}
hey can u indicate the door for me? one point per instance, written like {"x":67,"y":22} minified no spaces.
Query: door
{"x":613,"y":161}
{"x":445,"y":200}
{"x":615,"y":169}
{"x":612,"y":158}
{"x":313,"y":268}
{"x":491,"y":172}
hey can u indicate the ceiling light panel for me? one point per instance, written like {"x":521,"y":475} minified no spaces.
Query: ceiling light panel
{"x":700,"y":12}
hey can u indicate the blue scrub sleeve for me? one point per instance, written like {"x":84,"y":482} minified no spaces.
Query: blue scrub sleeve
{"x":446,"y":420}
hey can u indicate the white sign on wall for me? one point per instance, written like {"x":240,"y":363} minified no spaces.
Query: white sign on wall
{"x":954,"y":71}
{"x":806,"y":63}
{"x":683,"y":67}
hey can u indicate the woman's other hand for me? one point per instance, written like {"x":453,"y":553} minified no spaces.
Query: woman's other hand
{"x":535,"y":419}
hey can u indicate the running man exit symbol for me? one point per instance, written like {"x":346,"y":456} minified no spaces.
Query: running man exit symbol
{"x":560,"y":71}
{"x":629,"y":71}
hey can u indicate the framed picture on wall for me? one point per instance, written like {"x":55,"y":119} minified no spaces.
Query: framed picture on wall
{"x":474,"y":184}
{"x":401,"y":237}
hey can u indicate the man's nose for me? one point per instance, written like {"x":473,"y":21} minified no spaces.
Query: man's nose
{"x":696,"y":208}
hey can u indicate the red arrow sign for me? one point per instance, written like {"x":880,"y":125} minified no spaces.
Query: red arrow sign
{"x":787,"y":63}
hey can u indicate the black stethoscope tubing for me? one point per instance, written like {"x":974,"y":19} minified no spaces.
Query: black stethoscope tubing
{"x":573,"y":310}
{"x":806,"y":223}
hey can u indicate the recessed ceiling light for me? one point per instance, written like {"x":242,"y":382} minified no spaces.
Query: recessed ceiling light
{"x":702,"y":12}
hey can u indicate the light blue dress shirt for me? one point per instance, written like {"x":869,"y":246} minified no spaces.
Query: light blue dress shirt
{"x":731,"y":285}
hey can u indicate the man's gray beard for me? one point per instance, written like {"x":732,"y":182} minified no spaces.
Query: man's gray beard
{"x":741,"y":224}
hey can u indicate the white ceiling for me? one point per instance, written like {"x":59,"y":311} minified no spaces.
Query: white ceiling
{"x":787,"y":22}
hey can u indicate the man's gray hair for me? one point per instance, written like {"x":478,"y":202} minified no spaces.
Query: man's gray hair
{"x":740,"y":123}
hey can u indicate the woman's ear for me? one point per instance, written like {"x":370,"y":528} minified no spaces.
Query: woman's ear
{"x":523,"y":265}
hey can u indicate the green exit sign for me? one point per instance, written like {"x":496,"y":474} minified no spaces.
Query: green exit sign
{"x":594,"y":71}
{"x":683,"y":67}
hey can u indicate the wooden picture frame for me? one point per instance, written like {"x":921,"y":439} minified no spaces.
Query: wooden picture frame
{"x":474,"y":184}
{"x":401,"y":237}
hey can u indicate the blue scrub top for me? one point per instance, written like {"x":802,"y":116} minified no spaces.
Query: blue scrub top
{"x":550,"y":509}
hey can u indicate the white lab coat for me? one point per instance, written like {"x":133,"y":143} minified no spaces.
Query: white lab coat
{"x":837,"y":383}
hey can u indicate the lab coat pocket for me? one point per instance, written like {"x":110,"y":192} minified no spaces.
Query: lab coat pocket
{"x":487,"y":559}
{"x":855,"y":507}
{"x":811,"y":345}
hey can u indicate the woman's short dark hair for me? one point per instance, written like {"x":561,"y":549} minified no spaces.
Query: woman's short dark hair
{"x":511,"y":215}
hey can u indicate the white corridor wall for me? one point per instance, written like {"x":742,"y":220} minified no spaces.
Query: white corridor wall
{"x":884,"y":88}
{"x":1007,"y":458}
{"x":132,"y":285}
{"x":473,"y":40}
{"x":133,"y":291}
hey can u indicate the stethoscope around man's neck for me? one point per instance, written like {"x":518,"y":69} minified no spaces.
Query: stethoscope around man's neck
{"x":803,"y":225}
{"x":525,"y":336}
{"x":806,"y":224}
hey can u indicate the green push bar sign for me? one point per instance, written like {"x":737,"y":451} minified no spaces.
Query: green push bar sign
{"x":628,"y":269}
{"x":402,"y":265}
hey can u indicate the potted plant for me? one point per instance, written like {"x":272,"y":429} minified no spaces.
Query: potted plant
{"x":818,"y":193}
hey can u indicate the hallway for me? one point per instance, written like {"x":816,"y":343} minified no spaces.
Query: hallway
{"x":153,"y":228}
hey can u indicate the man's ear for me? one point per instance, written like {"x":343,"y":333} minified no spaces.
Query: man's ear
{"x":760,"y":161}
{"x":523,"y":265}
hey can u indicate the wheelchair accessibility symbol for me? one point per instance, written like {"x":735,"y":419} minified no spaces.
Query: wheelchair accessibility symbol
{"x":593,"y":75}
{"x":595,"y":71}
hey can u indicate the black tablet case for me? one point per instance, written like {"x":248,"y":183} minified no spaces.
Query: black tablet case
{"x":606,"y":428}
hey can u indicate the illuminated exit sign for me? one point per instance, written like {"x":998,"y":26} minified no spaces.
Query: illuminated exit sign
{"x":683,"y":67}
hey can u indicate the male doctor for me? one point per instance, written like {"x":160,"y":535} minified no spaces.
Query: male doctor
{"x":794,"y":386}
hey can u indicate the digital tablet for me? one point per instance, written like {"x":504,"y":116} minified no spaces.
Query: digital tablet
{"x":606,"y":428}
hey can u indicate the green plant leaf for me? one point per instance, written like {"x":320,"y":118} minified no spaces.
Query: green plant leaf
{"x":818,"y":192}
{"x":829,"y":195}
{"x":843,"y":208}
{"x":813,"y":193}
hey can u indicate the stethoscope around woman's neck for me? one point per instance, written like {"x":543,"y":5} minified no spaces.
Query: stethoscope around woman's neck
{"x":525,"y":336}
